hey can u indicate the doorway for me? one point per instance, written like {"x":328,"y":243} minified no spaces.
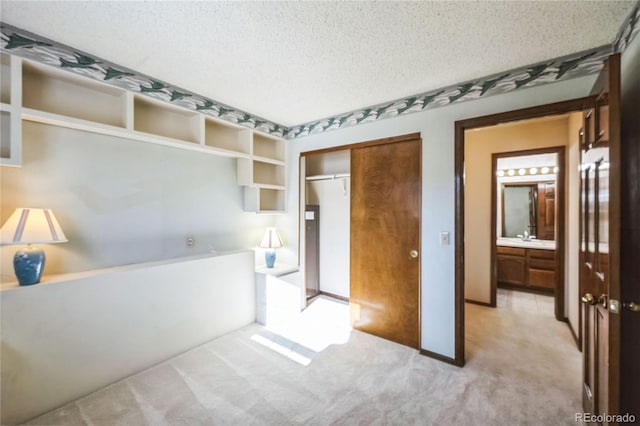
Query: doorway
{"x":462,"y":177}
{"x":382,"y":236}
{"x":528,"y":220}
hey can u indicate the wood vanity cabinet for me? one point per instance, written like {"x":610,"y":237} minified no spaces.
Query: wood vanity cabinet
{"x":512,"y":265}
{"x":526,"y":268}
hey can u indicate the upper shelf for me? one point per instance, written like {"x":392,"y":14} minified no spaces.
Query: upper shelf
{"x":36,"y":92}
{"x":58,"y":92}
{"x":54,"y":96}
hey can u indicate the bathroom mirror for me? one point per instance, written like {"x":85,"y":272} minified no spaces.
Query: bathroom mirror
{"x":519,"y":202}
{"x":528,"y":206}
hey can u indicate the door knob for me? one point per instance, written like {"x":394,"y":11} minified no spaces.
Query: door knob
{"x":413,"y":253}
{"x":589,"y":299}
{"x":603,"y":300}
{"x":632,"y":306}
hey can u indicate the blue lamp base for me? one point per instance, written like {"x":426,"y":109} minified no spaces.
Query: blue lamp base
{"x":28,"y":265}
{"x":270,"y":258}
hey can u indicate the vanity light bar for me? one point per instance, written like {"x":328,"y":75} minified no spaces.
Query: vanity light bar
{"x":528,"y":172}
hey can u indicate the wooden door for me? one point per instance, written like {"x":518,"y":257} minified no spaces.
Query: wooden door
{"x":385,"y":240}
{"x":600,"y":242}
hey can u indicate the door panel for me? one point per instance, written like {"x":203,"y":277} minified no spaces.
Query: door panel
{"x":600,"y":241}
{"x":385,"y":229}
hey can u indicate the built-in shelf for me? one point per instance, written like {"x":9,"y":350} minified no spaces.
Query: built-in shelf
{"x":5,"y":78}
{"x":58,"y":92}
{"x":10,"y":102}
{"x":227,"y":137}
{"x":5,"y":134}
{"x":268,"y":173}
{"x":268,"y":147}
{"x":264,"y":200}
{"x":158,"y":118}
{"x":46,"y":94}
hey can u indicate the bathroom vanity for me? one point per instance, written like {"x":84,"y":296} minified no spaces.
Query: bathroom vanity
{"x":526,"y":264}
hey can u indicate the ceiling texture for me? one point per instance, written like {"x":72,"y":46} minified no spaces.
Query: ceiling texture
{"x":295,"y":62}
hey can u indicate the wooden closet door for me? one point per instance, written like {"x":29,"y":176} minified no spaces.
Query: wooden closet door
{"x":385,"y":240}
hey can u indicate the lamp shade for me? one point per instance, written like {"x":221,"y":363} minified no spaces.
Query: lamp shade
{"x":271,"y":239}
{"x":32,"y":226}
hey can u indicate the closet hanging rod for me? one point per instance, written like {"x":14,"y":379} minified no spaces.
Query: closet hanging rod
{"x":329,"y":177}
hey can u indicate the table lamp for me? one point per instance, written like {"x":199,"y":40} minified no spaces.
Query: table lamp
{"x":271,"y":241}
{"x":30,"y":226}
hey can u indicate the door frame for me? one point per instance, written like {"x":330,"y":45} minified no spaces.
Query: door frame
{"x":557,"y":108}
{"x":382,"y":141}
{"x":560,"y":151}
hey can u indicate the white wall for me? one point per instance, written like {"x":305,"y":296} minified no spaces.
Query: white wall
{"x":62,"y":340}
{"x":121,"y":201}
{"x":437,"y":129}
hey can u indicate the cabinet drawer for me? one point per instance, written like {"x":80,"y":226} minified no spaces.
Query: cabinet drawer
{"x":546,"y":264}
{"x":540,"y":278}
{"x":514,"y":251}
{"x":542,"y":254}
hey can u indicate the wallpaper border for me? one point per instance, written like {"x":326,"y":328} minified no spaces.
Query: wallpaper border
{"x":31,"y":46}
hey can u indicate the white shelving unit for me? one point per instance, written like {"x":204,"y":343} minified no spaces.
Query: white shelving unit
{"x":263,"y":175}
{"x":10,"y":114}
{"x":36,"y":92}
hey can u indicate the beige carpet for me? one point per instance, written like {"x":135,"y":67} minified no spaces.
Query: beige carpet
{"x":522,"y":368}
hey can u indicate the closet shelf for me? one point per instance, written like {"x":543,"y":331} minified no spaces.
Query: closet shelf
{"x":328,"y":177}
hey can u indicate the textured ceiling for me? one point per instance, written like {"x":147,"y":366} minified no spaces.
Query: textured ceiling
{"x":294,"y":62}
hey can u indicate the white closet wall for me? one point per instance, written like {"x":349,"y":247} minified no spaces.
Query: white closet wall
{"x":333,"y":197}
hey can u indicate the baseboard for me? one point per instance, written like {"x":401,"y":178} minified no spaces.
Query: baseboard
{"x":335,"y":296}
{"x":475,"y":302}
{"x":573,"y":333}
{"x":442,"y":358}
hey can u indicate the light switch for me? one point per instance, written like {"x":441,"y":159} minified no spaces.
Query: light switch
{"x":310,"y":215}
{"x":444,"y":238}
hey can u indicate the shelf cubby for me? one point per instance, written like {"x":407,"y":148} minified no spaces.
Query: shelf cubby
{"x":10,"y":139}
{"x":228,"y":137}
{"x":268,"y":147}
{"x":58,"y":92}
{"x":258,"y":173}
{"x":160,"y":119}
{"x":5,"y":78}
{"x":268,"y":174}
{"x":5,"y":135}
{"x":264,"y":200}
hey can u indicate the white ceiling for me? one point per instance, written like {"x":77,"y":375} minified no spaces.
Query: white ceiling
{"x":294,"y":62}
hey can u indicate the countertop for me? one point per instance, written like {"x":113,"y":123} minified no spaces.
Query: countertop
{"x":533,"y":244}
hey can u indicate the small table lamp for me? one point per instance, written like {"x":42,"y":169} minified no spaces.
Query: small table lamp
{"x":270,"y":240}
{"x":31,"y":226}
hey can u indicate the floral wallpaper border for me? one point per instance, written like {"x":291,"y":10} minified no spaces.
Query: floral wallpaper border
{"x":564,"y":68}
{"x":31,"y":46}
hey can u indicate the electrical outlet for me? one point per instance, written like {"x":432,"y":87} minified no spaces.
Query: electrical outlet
{"x":444,"y":238}
{"x":191,"y":241}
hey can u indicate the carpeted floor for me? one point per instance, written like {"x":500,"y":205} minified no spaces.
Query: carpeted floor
{"x":522,"y":368}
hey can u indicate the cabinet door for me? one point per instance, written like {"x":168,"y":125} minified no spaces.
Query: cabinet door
{"x":542,"y":278}
{"x":511,"y":269}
